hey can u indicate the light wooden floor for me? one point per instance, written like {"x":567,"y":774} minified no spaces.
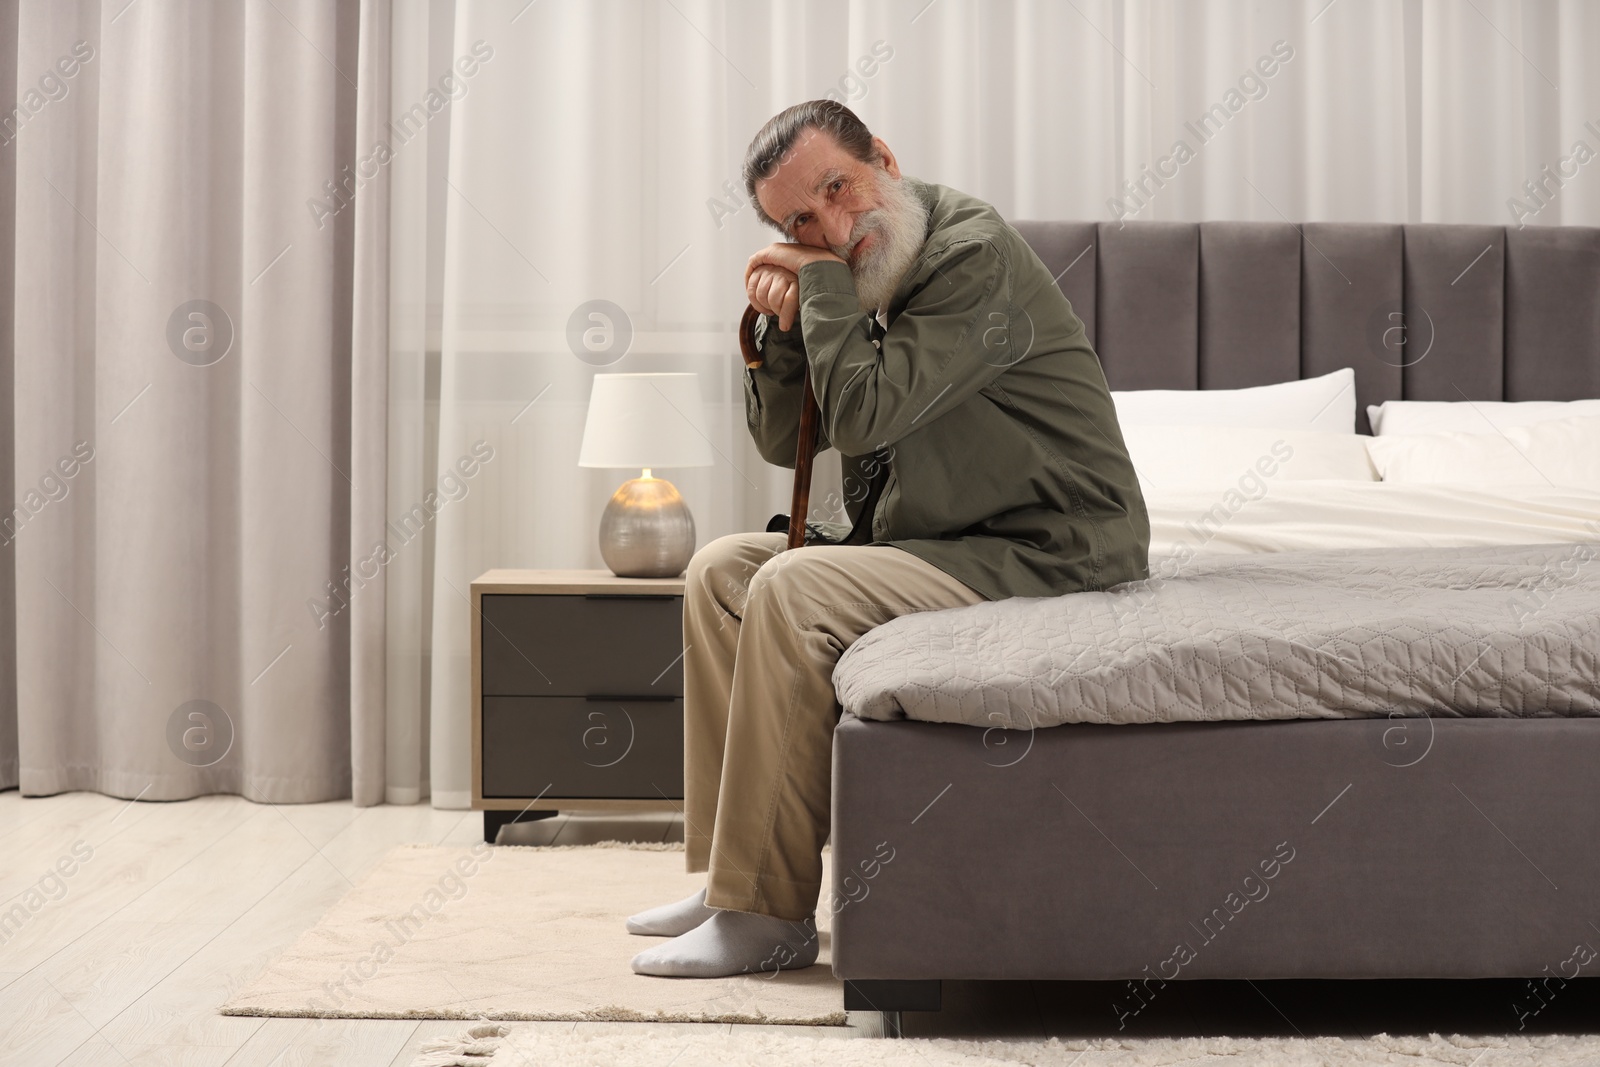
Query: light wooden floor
{"x":183,"y":903}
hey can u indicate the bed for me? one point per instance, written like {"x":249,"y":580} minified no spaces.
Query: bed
{"x":1276,"y":798}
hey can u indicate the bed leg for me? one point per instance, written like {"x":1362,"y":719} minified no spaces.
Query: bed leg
{"x":890,"y":997}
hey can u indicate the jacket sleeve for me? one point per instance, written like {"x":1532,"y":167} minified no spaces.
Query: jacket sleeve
{"x":773,"y":393}
{"x":952,"y":338}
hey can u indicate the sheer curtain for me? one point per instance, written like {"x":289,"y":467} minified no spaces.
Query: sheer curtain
{"x":595,"y":157}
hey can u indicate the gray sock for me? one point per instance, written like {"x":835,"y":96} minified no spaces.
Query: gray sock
{"x":733,"y":942}
{"x":670,"y":920}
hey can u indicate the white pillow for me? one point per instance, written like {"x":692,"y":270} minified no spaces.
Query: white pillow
{"x":1563,"y":452}
{"x":1170,"y":458}
{"x":1327,"y":403}
{"x":1475,"y":416}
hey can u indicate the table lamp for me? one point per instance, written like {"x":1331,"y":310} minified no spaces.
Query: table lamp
{"x":646,"y":421}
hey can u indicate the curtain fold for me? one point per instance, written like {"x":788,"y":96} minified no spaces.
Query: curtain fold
{"x":8,"y":395}
{"x":295,"y":288}
{"x":369,"y":409}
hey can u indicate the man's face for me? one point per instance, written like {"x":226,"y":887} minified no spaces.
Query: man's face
{"x":820,"y":191}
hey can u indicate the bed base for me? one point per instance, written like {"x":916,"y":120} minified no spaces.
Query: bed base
{"x":1374,"y":848}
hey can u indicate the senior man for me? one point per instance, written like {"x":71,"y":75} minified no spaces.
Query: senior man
{"x":972,"y":416}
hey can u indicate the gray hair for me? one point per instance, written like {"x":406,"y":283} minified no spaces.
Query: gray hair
{"x":776,"y":141}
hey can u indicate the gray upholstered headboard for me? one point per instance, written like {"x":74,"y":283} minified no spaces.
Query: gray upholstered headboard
{"x":1421,"y":312}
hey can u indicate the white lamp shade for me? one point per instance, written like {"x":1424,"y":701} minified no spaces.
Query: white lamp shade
{"x":645,"y":420}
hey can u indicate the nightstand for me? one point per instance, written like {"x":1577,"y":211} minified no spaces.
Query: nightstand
{"x":577,"y":694}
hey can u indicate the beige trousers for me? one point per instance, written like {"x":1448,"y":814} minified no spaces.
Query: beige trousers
{"x":763,"y":628}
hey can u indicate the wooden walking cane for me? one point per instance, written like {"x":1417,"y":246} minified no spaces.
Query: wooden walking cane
{"x":806,"y":441}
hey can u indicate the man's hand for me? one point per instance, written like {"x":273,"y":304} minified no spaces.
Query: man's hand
{"x":774,"y":291}
{"x":772,"y":278}
{"x":791,"y":257}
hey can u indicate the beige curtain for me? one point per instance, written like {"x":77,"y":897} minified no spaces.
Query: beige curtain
{"x":193,"y":428}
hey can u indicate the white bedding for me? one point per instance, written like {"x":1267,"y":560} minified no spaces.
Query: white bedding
{"x":1313,"y":515}
{"x":1553,"y":452}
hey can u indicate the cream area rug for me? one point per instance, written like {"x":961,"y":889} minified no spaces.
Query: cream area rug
{"x":491,"y":1045}
{"x":518,"y":932}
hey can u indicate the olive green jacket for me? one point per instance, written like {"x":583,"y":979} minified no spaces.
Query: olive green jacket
{"x":1008,"y":469}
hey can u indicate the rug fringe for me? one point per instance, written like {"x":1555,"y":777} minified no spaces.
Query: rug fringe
{"x":472,"y":1047}
{"x":630,"y":846}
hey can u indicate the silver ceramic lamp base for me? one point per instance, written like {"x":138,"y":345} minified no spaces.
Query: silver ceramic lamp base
{"x":646,"y":530}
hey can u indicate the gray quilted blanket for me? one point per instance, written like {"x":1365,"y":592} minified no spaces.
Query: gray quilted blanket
{"x":1485,"y":631}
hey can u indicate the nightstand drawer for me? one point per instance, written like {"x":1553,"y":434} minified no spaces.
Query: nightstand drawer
{"x":572,"y":747}
{"x":574,"y":645}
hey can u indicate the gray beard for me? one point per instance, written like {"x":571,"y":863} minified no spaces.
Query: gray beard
{"x":901,"y":226}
